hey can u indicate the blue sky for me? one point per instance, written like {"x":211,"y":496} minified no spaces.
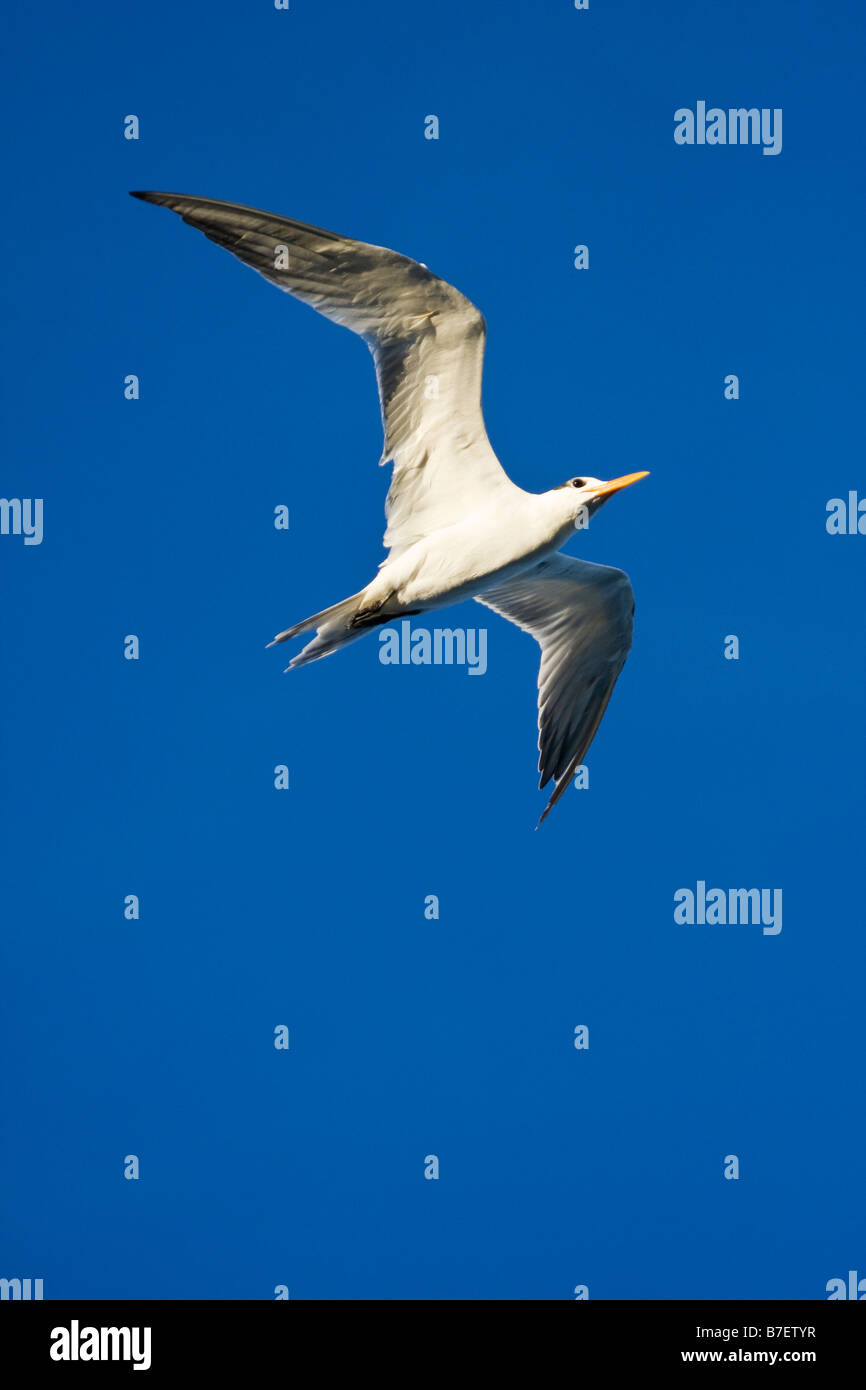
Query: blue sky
{"x":411,"y":1037}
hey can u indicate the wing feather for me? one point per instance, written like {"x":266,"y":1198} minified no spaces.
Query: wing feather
{"x":581,"y":616}
{"x":427,"y":342}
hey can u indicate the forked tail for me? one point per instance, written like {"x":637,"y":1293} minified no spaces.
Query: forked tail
{"x":335,"y":627}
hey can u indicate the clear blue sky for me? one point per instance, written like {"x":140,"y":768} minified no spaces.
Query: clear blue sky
{"x":306,"y":908}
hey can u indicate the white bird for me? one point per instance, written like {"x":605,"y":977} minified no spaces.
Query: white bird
{"x":458,"y":527}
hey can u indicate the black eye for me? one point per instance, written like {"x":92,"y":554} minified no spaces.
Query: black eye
{"x":578,"y":482}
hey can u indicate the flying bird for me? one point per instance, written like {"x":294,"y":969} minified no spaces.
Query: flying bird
{"x":458,"y":527}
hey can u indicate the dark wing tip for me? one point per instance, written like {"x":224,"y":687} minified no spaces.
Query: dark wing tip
{"x":151,"y":195}
{"x":559,"y":790}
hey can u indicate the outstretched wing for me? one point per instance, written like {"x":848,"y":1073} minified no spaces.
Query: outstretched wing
{"x":581,"y":616}
{"x":427,"y":341}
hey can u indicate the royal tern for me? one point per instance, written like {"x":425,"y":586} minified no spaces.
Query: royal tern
{"x":458,"y":527}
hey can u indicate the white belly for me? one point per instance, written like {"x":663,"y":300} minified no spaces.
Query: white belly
{"x":461,"y":561}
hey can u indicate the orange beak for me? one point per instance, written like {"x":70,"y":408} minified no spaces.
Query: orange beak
{"x":616,"y":484}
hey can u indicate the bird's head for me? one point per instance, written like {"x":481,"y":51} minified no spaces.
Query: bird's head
{"x":586,"y":495}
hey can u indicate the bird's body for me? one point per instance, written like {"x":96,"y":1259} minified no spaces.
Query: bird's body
{"x":458,"y":527}
{"x":490,"y":545}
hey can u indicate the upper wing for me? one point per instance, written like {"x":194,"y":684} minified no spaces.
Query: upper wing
{"x":427,"y":341}
{"x":581,"y":616}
